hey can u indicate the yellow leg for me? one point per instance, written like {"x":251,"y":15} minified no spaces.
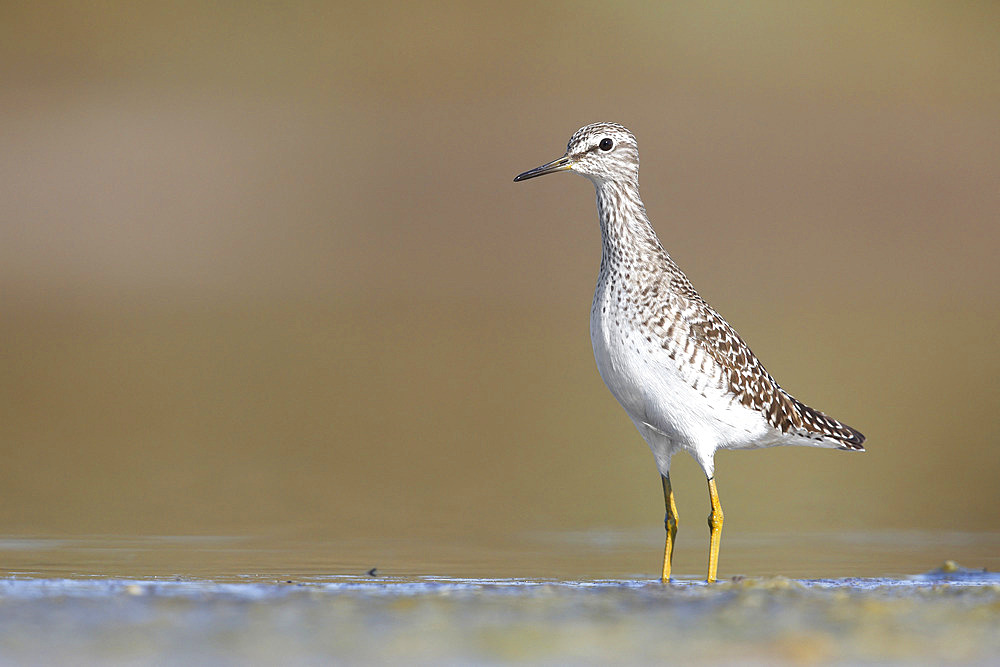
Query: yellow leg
{"x":715,"y":525}
{"x":670,"y":523}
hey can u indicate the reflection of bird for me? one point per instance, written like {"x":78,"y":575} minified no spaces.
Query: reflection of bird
{"x":684,"y":376}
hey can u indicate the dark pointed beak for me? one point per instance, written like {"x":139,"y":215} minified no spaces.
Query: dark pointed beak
{"x":560,"y":164}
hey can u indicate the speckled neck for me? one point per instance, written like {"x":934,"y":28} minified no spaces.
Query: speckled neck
{"x":625,"y":228}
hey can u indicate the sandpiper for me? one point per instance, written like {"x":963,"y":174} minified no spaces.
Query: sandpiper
{"x":684,"y":376}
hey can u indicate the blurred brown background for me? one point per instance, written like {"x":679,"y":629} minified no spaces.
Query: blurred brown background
{"x":263,"y":269}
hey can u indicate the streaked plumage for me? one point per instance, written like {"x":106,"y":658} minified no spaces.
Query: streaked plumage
{"x":681,"y":372}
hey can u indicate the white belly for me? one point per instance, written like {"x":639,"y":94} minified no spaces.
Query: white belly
{"x":673,"y":404}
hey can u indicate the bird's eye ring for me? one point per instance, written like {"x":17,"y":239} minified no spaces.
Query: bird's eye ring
{"x":606,"y":144}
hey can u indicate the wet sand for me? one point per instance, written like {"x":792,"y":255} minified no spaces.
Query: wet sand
{"x":947,"y":616}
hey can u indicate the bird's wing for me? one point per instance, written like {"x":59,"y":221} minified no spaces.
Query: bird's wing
{"x":744,"y":376}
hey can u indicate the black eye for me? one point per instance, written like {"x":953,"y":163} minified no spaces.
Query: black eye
{"x":606,"y":144}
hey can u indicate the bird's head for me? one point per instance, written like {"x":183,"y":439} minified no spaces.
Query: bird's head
{"x":600,"y":151}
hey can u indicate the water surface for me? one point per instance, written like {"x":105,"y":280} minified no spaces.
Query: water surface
{"x":603,"y":554}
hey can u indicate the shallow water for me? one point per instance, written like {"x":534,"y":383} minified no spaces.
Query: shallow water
{"x":535,"y":598}
{"x":938,"y":617}
{"x":578,"y":555}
